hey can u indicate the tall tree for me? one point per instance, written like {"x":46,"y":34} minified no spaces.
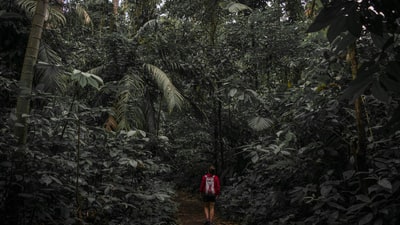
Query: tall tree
{"x":31,"y":54}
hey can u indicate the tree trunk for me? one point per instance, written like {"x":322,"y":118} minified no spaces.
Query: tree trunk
{"x":114,"y":19}
{"x":27,"y":73}
{"x":359,"y":150}
{"x":150,"y":113}
{"x":115,"y":7}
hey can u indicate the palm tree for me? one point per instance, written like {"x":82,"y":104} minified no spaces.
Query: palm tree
{"x":46,"y":72}
{"x":31,"y":54}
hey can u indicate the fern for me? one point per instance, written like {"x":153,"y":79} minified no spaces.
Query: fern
{"x":130,"y":86}
{"x":120,"y":110}
{"x":50,"y":74}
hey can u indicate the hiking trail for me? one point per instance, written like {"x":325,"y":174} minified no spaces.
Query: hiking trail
{"x":190,"y":211}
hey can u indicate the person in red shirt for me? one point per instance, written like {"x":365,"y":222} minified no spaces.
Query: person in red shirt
{"x":210,"y":189}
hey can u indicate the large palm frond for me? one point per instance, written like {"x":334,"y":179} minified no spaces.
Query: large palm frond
{"x":151,"y":24}
{"x":170,"y":92}
{"x":83,"y":14}
{"x":55,"y":17}
{"x":234,"y":7}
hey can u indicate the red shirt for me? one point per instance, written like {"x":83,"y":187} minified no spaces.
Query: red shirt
{"x":217,"y":185}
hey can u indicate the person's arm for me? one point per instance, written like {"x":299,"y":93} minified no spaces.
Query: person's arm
{"x":203,"y":184}
{"x":217,"y":185}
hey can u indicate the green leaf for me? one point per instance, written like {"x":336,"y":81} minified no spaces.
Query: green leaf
{"x":254,"y":157}
{"x":363,"y":198}
{"x":324,"y":18}
{"x":379,"y":92}
{"x":336,"y":28}
{"x":389,"y":83}
{"x":356,"y":88}
{"x":393,"y":69}
{"x":353,"y":23}
{"x":366,"y":219}
{"x":45,"y":179}
{"x":232,"y":92}
{"x":380,"y":40}
{"x":325,"y":190}
{"x":342,"y":42}
{"x":86,"y":78}
{"x":259,"y":123}
{"x":385,"y":183}
{"x":234,"y":7}
{"x":356,"y":207}
{"x":348,"y":174}
{"x":56,"y":180}
{"x":82,"y":81}
{"x":335,"y":205}
{"x":133,"y":163}
{"x":361,"y":83}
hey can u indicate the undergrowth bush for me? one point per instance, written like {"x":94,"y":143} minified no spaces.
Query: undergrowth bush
{"x":86,"y":176}
{"x":303,"y":171}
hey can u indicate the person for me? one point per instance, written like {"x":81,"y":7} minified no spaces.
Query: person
{"x":210,"y":189}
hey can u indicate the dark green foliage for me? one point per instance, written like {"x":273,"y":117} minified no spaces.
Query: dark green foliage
{"x":264,"y":101}
{"x":302,"y":173}
{"x":13,"y":36}
{"x":117,"y":179}
{"x":379,"y":70}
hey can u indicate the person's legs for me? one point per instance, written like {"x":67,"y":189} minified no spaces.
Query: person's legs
{"x":206,"y":201}
{"x":207,"y":210}
{"x":211,"y":215}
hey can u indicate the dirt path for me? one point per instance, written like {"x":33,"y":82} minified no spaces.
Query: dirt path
{"x":191,"y":211}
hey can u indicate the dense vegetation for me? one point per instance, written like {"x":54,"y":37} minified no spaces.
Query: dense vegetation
{"x":110,"y":107}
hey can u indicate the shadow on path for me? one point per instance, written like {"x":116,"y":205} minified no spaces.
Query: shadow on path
{"x":191,"y":211}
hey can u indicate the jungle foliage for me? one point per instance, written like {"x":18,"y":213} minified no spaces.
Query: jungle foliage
{"x":295,"y":102}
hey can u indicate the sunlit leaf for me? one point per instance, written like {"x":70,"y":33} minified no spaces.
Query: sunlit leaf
{"x":385,"y":183}
{"x":234,"y":7}
{"x":259,"y":123}
{"x":86,"y":78}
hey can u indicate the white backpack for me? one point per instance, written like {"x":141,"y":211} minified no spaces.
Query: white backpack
{"x":210,"y":190}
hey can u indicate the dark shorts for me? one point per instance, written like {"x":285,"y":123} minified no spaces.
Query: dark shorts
{"x":208,"y":198}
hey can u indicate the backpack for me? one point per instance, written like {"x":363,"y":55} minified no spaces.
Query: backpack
{"x":210,"y":189}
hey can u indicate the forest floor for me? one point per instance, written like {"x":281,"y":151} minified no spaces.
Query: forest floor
{"x":191,"y":211}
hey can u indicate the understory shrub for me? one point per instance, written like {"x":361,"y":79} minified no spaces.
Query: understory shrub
{"x":86,"y":176}
{"x":303,"y":171}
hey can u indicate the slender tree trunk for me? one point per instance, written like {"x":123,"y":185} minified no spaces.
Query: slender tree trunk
{"x":220,"y":142}
{"x":114,"y":19}
{"x":212,"y":20}
{"x":115,"y":7}
{"x":27,"y":73}
{"x":150,"y":113}
{"x":216,"y":132}
{"x":360,"y":147}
